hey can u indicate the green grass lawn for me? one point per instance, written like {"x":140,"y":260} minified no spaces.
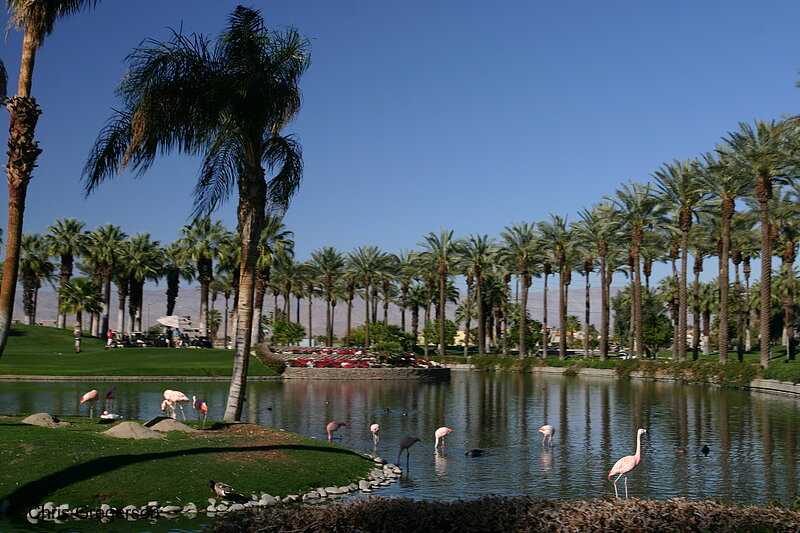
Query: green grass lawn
{"x":79,"y":466}
{"x":45,"y":351}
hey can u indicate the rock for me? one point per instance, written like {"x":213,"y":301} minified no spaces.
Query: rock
{"x":211,"y":508}
{"x":364,"y":486}
{"x":344,"y":490}
{"x":45,"y":420}
{"x":49,"y":506}
{"x":379,"y":460}
{"x":222,"y":508}
{"x":132,"y":430}
{"x":105,"y":508}
{"x":291,"y":498}
{"x":236,"y":507}
{"x":169,"y":424}
{"x":267,"y":499}
{"x":153,"y":503}
{"x":171,"y":509}
{"x":189,"y":507}
{"x":333,"y":490}
{"x":33,"y":513}
{"x":129,"y":509}
{"x":212,"y":501}
{"x":352,"y":487}
{"x":322,"y":492}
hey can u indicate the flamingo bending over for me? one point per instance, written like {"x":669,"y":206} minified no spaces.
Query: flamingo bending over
{"x":168,"y":408}
{"x":176,"y":397}
{"x":440,"y":434}
{"x":200,"y":405}
{"x":627,"y":463}
{"x":333,"y":426}
{"x":90,"y":397}
{"x":547,"y":431}
{"x":375,"y":428}
{"x":406,"y":443}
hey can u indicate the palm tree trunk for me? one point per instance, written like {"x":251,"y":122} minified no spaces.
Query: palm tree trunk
{"x":366,"y":315}
{"x":545,"y":340}
{"x":763,"y":195}
{"x":310,"y":333}
{"x":481,"y":313}
{"x":22,"y":154}
{"x":586,"y":314}
{"x":683,"y":297}
{"x":728,"y":208}
{"x":698,"y":268}
{"x":258,"y":306}
{"x":523,"y":313}
{"x":563,"y":282}
{"x":328,"y":319}
{"x":252,"y":191}
{"x":349,"y":320}
{"x":468,"y":317}
{"x":441,"y":317}
{"x":638,"y":335}
{"x":747,"y":311}
{"x":740,"y":327}
{"x":789,"y":256}
{"x":605,"y":303}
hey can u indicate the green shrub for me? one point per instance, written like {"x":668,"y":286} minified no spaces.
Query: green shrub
{"x":789,"y":372}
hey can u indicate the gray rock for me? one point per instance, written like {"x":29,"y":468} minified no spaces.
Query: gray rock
{"x":221,"y":508}
{"x":212,"y":501}
{"x":267,"y":499}
{"x":236,"y":507}
{"x":105,"y":507}
{"x":344,"y":490}
{"x":49,"y":506}
{"x":171,"y":509}
{"x":128,"y":509}
{"x":378,"y":460}
{"x":322,"y":492}
{"x":364,"y":485}
{"x":189,"y":507}
{"x":376,"y":473}
{"x":291,"y":498}
{"x":34,"y":513}
{"x":153,"y":503}
{"x":211,"y":508}
{"x":332,"y":490}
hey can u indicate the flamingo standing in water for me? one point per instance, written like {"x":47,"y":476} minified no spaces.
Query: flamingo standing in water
{"x":375,"y":428}
{"x":547,"y":431}
{"x":627,"y":463}
{"x":333,"y":426}
{"x":175,"y":397}
{"x":406,"y":443}
{"x":200,"y":405}
{"x":168,"y":408}
{"x":90,"y":397}
{"x":440,"y":434}
{"x":111,"y":395}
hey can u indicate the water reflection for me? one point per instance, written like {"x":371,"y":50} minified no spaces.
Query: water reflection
{"x":752,"y":437}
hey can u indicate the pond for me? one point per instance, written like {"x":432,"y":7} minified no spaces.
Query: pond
{"x":752,"y":437}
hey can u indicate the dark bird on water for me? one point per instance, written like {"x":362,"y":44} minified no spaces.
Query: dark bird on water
{"x":226,"y":492}
{"x":705,"y":449}
{"x":474,"y":453}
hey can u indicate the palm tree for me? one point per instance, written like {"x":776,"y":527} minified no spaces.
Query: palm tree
{"x":79,"y":295}
{"x":765,"y":152}
{"x":37,"y":20}
{"x":727,"y":182}
{"x":230,"y":103}
{"x":34,"y":267}
{"x":442,"y":251}
{"x":102,"y":251}
{"x":478,"y":254}
{"x":701,"y":246}
{"x":786,"y":214}
{"x":407,"y":271}
{"x":140,"y":260}
{"x":557,"y":236}
{"x":367,"y":263}
{"x":275,"y":241}
{"x":637,"y":208}
{"x":520,"y":249}
{"x":200,"y":242}
{"x":684,"y":195}
{"x":65,"y":240}
{"x":329,"y":264}
{"x":175,"y":268}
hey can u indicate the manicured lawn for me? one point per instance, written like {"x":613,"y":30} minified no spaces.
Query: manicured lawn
{"x":45,"y":351}
{"x":79,"y":466}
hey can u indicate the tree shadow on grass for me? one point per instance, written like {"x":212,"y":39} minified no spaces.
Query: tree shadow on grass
{"x":28,"y":495}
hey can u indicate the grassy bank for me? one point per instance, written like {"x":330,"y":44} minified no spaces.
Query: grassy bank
{"x":78,"y":465}
{"x":44,"y":351}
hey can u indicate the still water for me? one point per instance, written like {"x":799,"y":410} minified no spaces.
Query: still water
{"x":752,"y":437}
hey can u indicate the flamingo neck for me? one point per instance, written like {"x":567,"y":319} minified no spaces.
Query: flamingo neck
{"x":638,"y":453}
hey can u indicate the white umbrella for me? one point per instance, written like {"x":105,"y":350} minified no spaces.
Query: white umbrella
{"x":175,"y":321}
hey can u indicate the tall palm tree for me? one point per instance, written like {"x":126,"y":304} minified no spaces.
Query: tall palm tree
{"x":275,"y":241}
{"x":102,"y":250}
{"x":229,"y":102}
{"x":786,"y":216}
{"x":519,"y":247}
{"x":637,"y":207}
{"x":684,"y":194}
{"x":367,"y":264}
{"x":200,"y":242}
{"x":34,"y":267}
{"x":765,"y":151}
{"x":176,"y":268}
{"x":478,"y":254}
{"x":443,"y":251}
{"x":140,"y":260}
{"x":80,"y":295}
{"x":329,"y":264}
{"x":37,"y":19}
{"x":557,"y":236}
{"x":66,"y":239}
{"x":727,"y":181}
{"x":407,"y":271}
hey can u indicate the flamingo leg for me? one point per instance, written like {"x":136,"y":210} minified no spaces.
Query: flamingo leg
{"x":626,"y":487}
{"x":204,"y":420}
{"x":615,"y":485}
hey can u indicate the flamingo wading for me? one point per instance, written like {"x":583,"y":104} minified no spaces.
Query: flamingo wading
{"x":440,"y":434}
{"x":201,"y":407}
{"x":627,"y":463}
{"x":406,"y":443}
{"x":333,"y":426}
{"x":375,"y":428}
{"x":547,"y":431}
{"x":175,"y":397}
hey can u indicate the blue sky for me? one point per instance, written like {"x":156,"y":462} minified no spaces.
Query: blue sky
{"x":425,"y":115}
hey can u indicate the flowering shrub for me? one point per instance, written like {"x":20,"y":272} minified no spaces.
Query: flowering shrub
{"x":324,"y":359}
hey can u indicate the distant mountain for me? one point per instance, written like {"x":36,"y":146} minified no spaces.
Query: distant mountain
{"x":188,"y":303}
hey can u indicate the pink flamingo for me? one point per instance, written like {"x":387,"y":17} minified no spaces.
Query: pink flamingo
{"x":169,"y":408}
{"x":333,"y":426}
{"x":176,"y":397}
{"x":200,"y":405}
{"x":547,"y":431}
{"x":406,"y":443}
{"x":111,"y":395}
{"x":440,"y":434}
{"x":375,"y":428}
{"x":627,"y":463}
{"x":90,"y":397}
